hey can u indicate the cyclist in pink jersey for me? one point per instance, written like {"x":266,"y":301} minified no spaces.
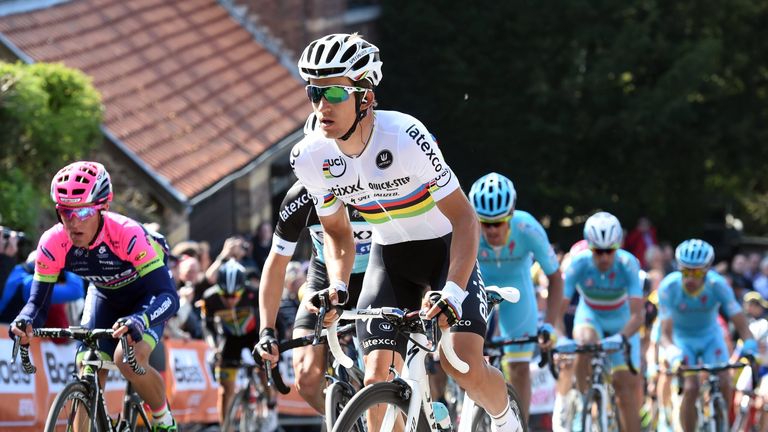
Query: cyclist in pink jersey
{"x":131,"y":288}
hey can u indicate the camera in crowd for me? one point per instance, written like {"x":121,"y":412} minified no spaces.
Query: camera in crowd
{"x":7,"y":232}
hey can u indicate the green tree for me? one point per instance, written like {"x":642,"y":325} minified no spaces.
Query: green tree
{"x":49,"y":116}
{"x":639,"y":108}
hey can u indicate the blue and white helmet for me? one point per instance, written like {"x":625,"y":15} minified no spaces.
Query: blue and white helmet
{"x":694,"y":253}
{"x":603,"y":231}
{"x":231,"y":277}
{"x":493,"y":196}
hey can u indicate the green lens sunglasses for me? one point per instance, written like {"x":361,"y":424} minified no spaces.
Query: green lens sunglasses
{"x":333,"y":93}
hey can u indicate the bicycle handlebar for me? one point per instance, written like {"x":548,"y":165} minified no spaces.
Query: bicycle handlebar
{"x":600,"y":347}
{"x":76,"y":333}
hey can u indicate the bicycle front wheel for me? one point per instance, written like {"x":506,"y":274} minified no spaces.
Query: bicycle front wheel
{"x":592,"y":413}
{"x":379,"y":397}
{"x":71,"y":410}
{"x":337,"y":395}
{"x":720,"y":416}
{"x":240,"y":416}
{"x":482,"y":421}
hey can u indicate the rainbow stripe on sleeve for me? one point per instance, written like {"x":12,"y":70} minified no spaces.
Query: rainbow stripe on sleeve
{"x":417,"y":202}
{"x":329,"y":200}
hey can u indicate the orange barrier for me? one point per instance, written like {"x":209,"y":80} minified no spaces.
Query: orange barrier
{"x":26,"y":399}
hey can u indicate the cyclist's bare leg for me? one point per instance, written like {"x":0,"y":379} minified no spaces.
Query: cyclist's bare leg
{"x":377,"y":370}
{"x":226,"y":391}
{"x":149,"y":386}
{"x":437,"y":382}
{"x":519,"y":375}
{"x":628,"y":396}
{"x":483,"y":383}
{"x":727,"y":390}
{"x":309,"y":366}
{"x":688,"y":412}
{"x":583,"y":335}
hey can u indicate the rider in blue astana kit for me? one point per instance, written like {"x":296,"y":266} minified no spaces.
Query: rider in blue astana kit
{"x":511,"y":240}
{"x":689,"y":301}
{"x":611,"y":304}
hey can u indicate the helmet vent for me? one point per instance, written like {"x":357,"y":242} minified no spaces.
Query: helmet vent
{"x":348,"y":53}
{"x":332,"y":52}
{"x":319,"y":53}
{"x":360,"y":63}
{"x":78,"y":191}
{"x":81,"y":179}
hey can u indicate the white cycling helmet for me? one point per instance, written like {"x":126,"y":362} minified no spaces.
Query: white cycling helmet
{"x":341,"y":54}
{"x":603,"y":231}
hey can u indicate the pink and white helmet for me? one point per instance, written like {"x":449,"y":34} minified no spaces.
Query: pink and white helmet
{"x":81,"y":183}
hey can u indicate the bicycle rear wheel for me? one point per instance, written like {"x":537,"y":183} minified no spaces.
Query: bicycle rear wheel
{"x":71,"y":410}
{"x":382,"y":395}
{"x":482,"y":421}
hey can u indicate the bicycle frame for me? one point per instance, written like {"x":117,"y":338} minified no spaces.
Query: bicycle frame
{"x":598,"y":384}
{"x":415,"y":377}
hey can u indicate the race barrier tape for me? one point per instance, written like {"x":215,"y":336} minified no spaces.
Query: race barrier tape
{"x":190,"y":385}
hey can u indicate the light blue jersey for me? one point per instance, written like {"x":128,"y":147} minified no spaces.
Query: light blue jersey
{"x":510,"y":265}
{"x":694,"y":315}
{"x":604,"y":301}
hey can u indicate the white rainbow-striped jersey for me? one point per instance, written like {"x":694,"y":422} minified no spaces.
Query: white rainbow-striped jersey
{"x":394,"y":183}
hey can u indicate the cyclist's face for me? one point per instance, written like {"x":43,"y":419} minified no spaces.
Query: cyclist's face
{"x":81,"y":232}
{"x":693,"y":279}
{"x":603,"y":258}
{"x":334,"y":119}
{"x":495,"y":234}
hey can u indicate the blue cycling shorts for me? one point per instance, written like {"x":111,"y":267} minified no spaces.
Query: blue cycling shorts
{"x":606,"y":326}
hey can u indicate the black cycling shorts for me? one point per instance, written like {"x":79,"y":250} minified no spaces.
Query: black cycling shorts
{"x":232,"y":349}
{"x":317,"y":279}
{"x":399,"y":275}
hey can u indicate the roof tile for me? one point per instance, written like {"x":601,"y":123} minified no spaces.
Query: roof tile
{"x":183,"y":84}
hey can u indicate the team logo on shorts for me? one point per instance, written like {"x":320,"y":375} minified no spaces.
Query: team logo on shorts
{"x":384,"y":159}
{"x":385,"y":326}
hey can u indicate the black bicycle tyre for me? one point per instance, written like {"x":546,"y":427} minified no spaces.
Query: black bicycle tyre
{"x":70,"y":392}
{"x":587,"y":425}
{"x":239,"y":399}
{"x":392,"y":393}
{"x":481,"y":418}
{"x":337,"y":396}
{"x":720,"y":416}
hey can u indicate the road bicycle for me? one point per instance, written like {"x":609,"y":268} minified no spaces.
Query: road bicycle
{"x":746,"y":404}
{"x":80,"y":405}
{"x":599,"y":410}
{"x":711,"y":406}
{"x":252,"y":406}
{"x":407,"y":395}
{"x":342,"y":381}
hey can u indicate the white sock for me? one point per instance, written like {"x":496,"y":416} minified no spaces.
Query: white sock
{"x":507,"y":421}
{"x":162,"y":416}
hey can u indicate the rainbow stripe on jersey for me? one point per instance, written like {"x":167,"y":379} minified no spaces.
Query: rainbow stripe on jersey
{"x":417,"y":202}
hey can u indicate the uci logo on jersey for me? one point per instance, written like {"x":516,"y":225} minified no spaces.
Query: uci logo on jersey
{"x":335,"y":167}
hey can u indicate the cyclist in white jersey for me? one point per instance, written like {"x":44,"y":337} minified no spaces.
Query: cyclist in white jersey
{"x":425,"y":235}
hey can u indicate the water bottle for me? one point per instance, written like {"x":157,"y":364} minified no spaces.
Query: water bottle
{"x":442,"y":418}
